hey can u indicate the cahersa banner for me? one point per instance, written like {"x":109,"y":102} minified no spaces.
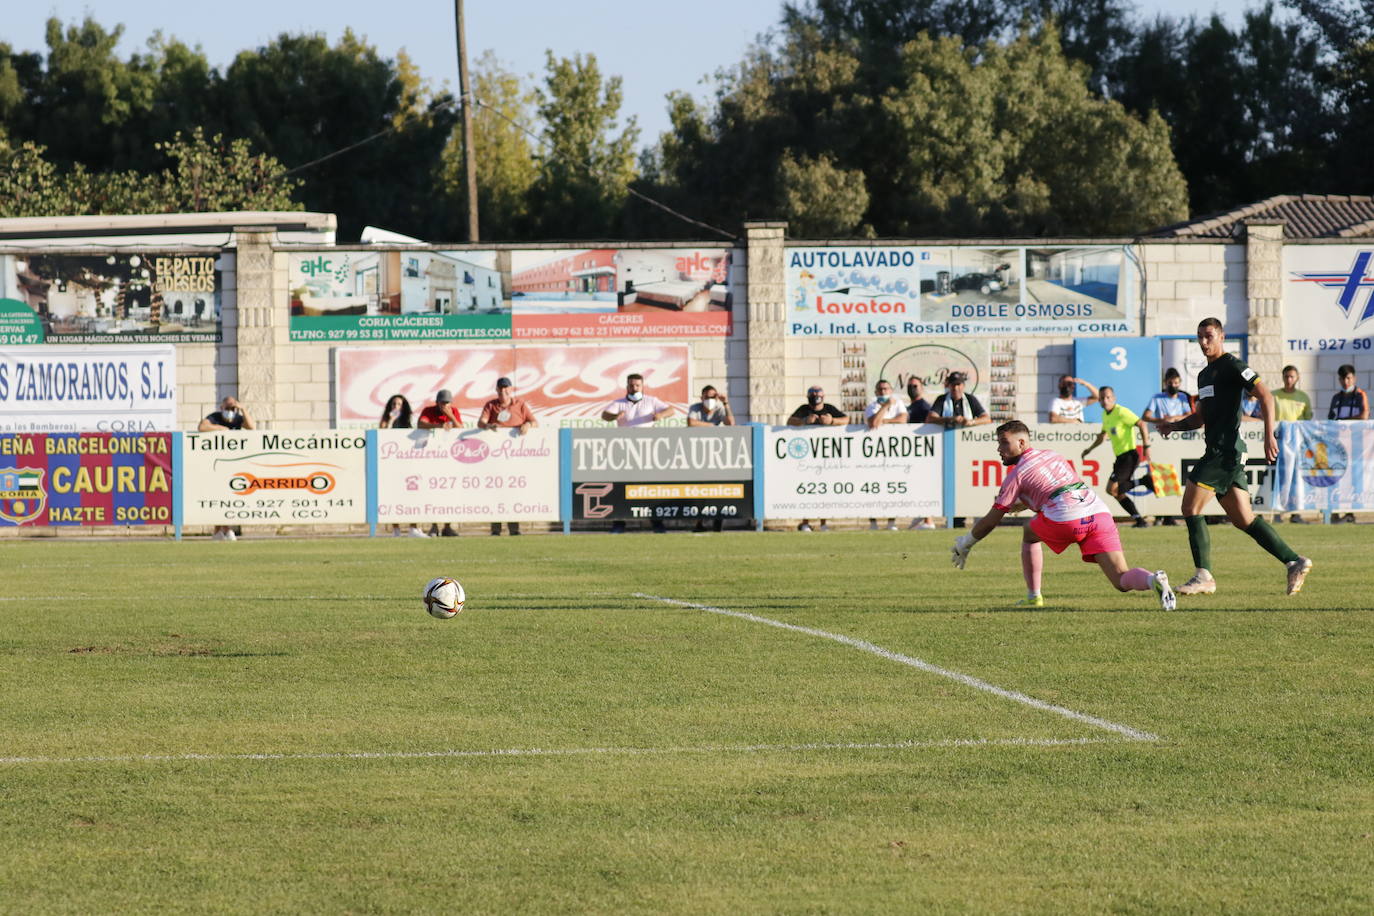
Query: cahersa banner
{"x":86,"y":479}
{"x":257,"y":478}
{"x":455,"y":475}
{"x":829,"y":472}
{"x":662,"y":474}
{"x":978,"y":470}
{"x":564,"y":386}
{"x":622,"y":292}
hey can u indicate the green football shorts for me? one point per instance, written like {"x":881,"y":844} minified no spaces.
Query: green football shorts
{"x":1219,"y":472}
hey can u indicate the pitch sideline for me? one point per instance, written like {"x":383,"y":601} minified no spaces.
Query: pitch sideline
{"x":965,"y":679}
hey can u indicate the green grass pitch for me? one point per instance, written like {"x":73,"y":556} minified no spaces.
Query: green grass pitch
{"x":277,"y":726}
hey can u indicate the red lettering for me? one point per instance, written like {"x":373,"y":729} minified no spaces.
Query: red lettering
{"x":873,"y":306}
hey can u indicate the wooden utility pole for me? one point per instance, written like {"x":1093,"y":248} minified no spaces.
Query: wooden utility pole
{"x":465,"y":99}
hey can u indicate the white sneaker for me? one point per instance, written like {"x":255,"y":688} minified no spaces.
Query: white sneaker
{"x":926,"y":526}
{"x":230,"y":535}
{"x":891,"y":526}
{"x":803,"y":527}
{"x":1202,"y":583}
{"x":417,"y":533}
{"x":1297,"y":572}
{"x":1160,"y":581}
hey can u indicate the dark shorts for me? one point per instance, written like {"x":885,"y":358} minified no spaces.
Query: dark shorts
{"x":1123,"y":469}
{"x":1219,"y":473}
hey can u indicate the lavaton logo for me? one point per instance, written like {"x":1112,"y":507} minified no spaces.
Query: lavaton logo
{"x":1351,"y":283}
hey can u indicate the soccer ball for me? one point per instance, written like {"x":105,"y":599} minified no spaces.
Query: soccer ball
{"x":444,"y":597}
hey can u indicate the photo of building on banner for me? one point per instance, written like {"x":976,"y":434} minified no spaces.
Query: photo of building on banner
{"x":149,"y":297}
{"x":624,"y":292}
{"x":86,"y":479}
{"x":340,"y":294}
{"x":960,"y":291}
{"x":563,"y":385}
{"x":662,"y":475}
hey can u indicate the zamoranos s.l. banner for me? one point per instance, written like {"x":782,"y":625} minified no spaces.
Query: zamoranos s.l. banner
{"x":116,"y":297}
{"x":86,"y":388}
{"x":467,"y":475}
{"x":960,"y":291}
{"x":86,"y":479}
{"x":274,"y":478}
{"x":410,"y":294}
{"x":853,"y":472}
{"x":694,"y":473}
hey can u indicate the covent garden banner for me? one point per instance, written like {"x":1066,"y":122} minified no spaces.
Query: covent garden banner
{"x":1085,"y":291}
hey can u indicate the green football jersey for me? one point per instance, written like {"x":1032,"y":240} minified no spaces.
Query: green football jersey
{"x":1221,"y":386}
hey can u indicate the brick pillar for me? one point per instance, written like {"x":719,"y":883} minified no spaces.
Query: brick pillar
{"x":259,"y":315}
{"x":1264,"y":292}
{"x":767,"y":328}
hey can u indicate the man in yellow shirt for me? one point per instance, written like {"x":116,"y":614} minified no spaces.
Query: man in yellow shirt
{"x":1122,"y":426}
{"x":1289,"y":402}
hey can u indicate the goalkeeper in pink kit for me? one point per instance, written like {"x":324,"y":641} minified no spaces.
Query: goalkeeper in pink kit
{"x":1067,"y":511}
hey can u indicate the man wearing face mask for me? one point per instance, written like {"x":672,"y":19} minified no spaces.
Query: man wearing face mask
{"x":636,"y":408}
{"x":712,"y":410}
{"x":1348,"y":403}
{"x":1066,"y":408}
{"x":230,"y":416}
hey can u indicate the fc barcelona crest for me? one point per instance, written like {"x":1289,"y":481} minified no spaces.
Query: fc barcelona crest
{"x":22,"y":496}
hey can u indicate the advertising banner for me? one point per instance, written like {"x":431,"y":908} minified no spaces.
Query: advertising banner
{"x":960,"y":291}
{"x":429,"y":475}
{"x":1325,"y":465}
{"x":407,"y":294}
{"x":257,"y":478}
{"x":104,"y":389}
{"x":564,"y":385}
{"x":86,"y":479}
{"x":623,"y":292}
{"x":149,"y":297}
{"x":824,"y":472}
{"x":978,"y":471}
{"x":1328,"y":299}
{"x":665,"y":474}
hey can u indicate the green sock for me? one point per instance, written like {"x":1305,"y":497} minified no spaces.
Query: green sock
{"x":1269,"y":539}
{"x":1200,"y":541}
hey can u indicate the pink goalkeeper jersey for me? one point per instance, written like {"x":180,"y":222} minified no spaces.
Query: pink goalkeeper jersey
{"x":1040,"y":480}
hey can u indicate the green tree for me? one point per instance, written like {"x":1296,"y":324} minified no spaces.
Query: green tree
{"x":587,"y":162}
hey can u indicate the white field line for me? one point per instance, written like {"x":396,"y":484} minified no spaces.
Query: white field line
{"x":572,"y":751}
{"x":967,"y":680}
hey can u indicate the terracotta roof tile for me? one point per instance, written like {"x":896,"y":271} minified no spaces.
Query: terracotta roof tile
{"x":1307,"y":216}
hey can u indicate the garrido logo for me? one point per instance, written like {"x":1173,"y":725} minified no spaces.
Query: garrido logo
{"x":1349,"y":283}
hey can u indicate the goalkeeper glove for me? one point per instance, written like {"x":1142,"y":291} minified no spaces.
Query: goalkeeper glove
{"x":961,"y":549}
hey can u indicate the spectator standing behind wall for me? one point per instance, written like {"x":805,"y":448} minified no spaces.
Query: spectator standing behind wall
{"x":712,"y":410}
{"x":636,"y":409}
{"x":1291,"y":405}
{"x":885,"y":408}
{"x":918,"y":408}
{"x":1170,"y":403}
{"x":441,"y":415}
{"x":817,"y":412}
{"x":955,"y":408}
{"x":1066,"y":408}
{"x":231,"y":416}
{"x":506,"y":411}
{"x":1349,"y":403}
{"x":397,"y":415}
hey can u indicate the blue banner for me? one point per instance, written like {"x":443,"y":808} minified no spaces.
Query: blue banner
{"x":1323,"y":465}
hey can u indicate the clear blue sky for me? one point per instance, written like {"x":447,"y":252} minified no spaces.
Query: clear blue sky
{"x":655,"y":47}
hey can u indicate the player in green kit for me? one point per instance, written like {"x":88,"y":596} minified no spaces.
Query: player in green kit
{"x":1221,"y":386}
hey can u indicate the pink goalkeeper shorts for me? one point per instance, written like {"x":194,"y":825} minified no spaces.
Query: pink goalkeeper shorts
{"x":1093,"y":535}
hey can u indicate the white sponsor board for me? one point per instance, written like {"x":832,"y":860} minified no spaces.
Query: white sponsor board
{"x":1328,"y":299}
{"x":106,"y":388}
{"x":829,"y":472}
{"x":276,"y":478}
{"x":978,"y":472}
{"x":428,"y":475}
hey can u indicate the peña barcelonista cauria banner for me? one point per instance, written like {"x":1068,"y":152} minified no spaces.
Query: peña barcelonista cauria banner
{"x":961,"y":291}
{"x":96,"y":479}
{"x":1325,"y":465}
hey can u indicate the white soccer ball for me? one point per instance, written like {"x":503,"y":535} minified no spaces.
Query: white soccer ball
{"x":444,"y":597}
